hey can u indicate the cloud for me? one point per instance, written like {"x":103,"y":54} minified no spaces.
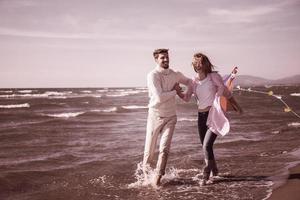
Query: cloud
{"x":16,"y":4}
{"x":40,"y":34}
{"x":242,"y":15}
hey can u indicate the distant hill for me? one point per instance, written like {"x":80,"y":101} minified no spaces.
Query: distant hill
{"x":247,"y":81}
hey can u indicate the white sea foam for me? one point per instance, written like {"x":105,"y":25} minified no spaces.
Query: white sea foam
{"x":24,"y":105}
{"x":6,"y":91}
{"x":64,"y":115}
{"x":53,"y":93}
{"x":133,"y":92}
{"x":43,"y":95}
{"x":31,"y":159}
{"x":25,"y":91}
{"x":102,"y":90}
{"x":269,"y":185}
{"x":7,"y":96}
{"x":86,"y":91}
{"x":57,"y":97}
{"x":122,"y":93}
{"x":294,"y":124}
{"x":134,"y":107}
{"x":295,"y":94}
{"x":113,"y":109}
{"x":100,"y":179}
{"x":116,"y":95}
{"x":106,"y":110}
{"x":118,"y":90}
{"x":142,"y":88}
{"x":187,"y":119}
{"x":275,"y":132}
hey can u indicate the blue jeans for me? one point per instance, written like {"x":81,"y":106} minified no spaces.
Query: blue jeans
{"x":207,"y":137}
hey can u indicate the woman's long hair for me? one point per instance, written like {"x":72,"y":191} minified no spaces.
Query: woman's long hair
{"x":206,"y":64}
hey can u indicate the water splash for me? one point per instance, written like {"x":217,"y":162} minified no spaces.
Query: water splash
{"x":100,"y":179}
{"x":143,"y":179}
{"x":147,"y":179}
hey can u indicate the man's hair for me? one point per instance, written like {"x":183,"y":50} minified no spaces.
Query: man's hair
{"x":158,"y":51}
{"x":207,"y":66}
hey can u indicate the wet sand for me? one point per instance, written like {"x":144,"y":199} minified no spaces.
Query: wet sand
{"x":291,"y":189}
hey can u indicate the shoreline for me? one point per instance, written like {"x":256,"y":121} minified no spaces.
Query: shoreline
{"x":291,"y":188}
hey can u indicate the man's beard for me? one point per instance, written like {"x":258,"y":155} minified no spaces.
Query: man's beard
{"x":165,"y":65}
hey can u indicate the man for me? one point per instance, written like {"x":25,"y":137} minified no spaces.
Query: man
{"x":163,"y":85}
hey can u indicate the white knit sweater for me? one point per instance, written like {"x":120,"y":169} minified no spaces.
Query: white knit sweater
{"x":160,"y":82}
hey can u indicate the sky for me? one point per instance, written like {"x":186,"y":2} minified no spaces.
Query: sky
{"x":109,"y":43}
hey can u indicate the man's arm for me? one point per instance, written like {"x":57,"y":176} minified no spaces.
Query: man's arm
{"x":183,"y":79}
{"x":154,"y":85}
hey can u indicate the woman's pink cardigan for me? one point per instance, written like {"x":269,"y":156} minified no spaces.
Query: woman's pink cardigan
{"x":217,"y":121}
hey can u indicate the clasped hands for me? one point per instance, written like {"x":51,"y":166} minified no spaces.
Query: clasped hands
{"x":178,"y":89}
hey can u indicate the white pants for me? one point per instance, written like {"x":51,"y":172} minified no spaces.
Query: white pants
{"x":155,"y":126}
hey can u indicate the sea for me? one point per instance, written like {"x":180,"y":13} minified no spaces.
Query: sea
{"x":88,"y":143}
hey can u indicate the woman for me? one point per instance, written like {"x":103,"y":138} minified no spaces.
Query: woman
{"x":208,"y":87}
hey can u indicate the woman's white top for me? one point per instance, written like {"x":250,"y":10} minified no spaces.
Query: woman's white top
{"x":208,"y":93}
{"x":205,"y":92}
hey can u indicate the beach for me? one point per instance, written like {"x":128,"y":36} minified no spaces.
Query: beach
{"x":290,"y":190}
{"x":87,"y":143}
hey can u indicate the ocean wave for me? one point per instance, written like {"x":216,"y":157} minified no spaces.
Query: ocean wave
{"x":25,"y":91}
{"x":134,"y":91}
{"x":295,"y":94}
{"x":187,"y":119}
{"x":123,"y":92}
{"x":24,"y":105}
{"x":75,"y":114}
{"x":6,"y":91}
{"x":51,"y":94}
{"x":103,"y":90}
{"x":141,"y":88}
{"x":106,"y":110}
{"x":134,"y":107}
{"x":48,"y":105}
{"x":116,"y":95}
{"x":86,"y":91}
{"x":27,"y":160}
{"x":64,"y":115}
{"x":294,"y":124}
{"x":7,"y":96}
{"x":57,"y":97}
{"x":118,"y":90}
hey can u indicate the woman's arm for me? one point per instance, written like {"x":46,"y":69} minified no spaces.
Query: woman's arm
{"x":222,"y":90}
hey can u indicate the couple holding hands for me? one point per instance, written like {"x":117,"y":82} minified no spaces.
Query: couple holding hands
{"x":163,"y":86}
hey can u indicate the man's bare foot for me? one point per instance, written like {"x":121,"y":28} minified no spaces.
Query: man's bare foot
{"x":202,"y":182}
